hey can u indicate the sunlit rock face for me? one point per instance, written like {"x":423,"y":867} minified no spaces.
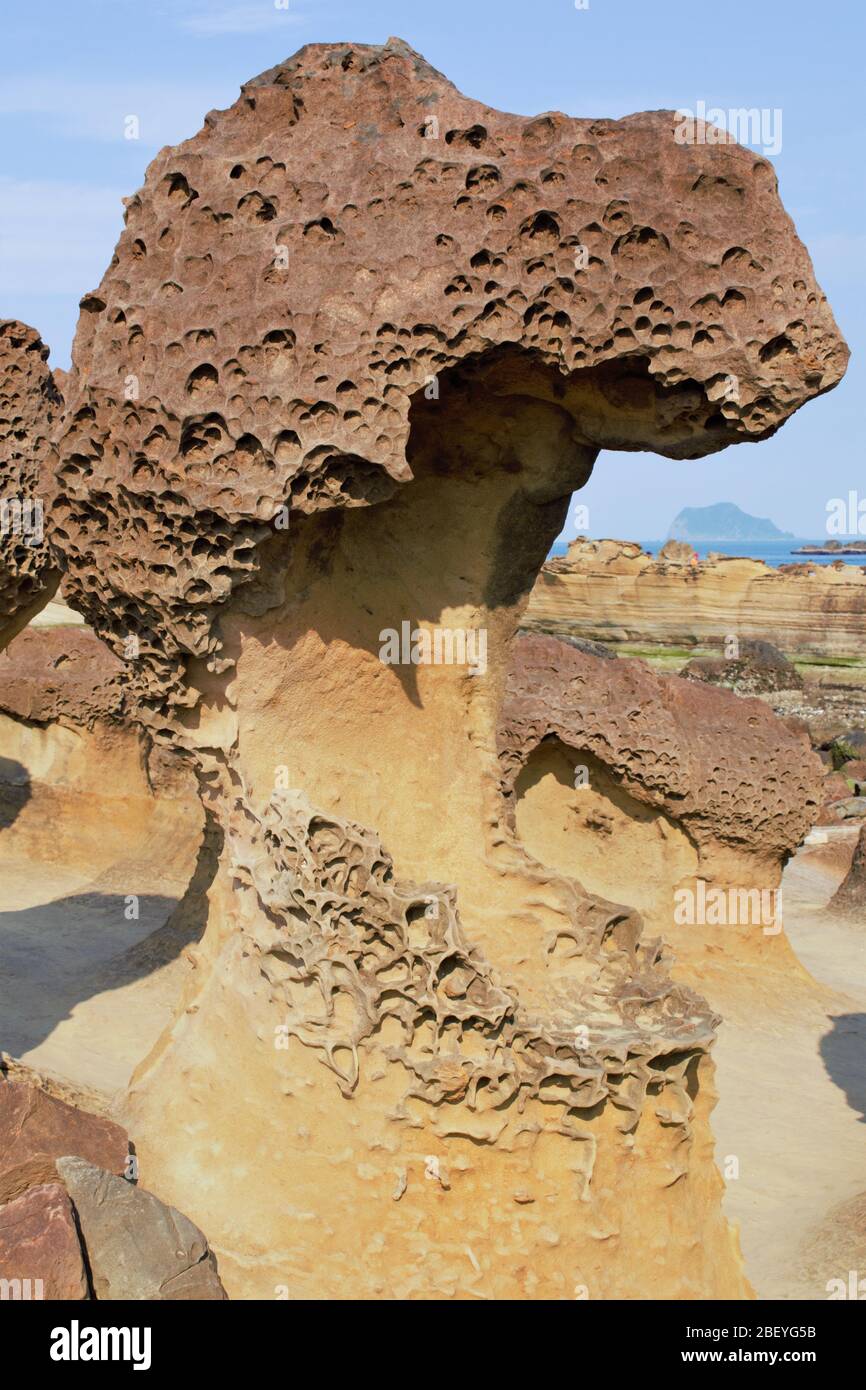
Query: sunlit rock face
{"x":360,"y":341}
{"x":29,"y":406}
{"x":613,"y":591}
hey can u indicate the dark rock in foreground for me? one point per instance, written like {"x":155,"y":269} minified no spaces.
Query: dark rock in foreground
{"x":137,"y":1247}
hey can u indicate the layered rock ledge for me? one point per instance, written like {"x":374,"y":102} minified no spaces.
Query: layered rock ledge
{"x":613,"y":590}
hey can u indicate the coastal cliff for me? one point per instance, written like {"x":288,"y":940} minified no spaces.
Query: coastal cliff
{"x":613,"y":591}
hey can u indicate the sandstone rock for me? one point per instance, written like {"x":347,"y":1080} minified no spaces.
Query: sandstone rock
{"x":674,"y":744}
{"x":834,"y":788}
{"x":853,"y":773}
{"x":677,"y":553}
{"x":612,"y":591}
{"x":29,"y":405}
{"x":850,"y":897}
{"x":137,"y":1247}
{"x":800,"y":728}
{"x":60,"y":1088}
{"x":331,"y":427}
{"x":63,"y":673}
{"x":759,"y":668}
{"x":36,"y":1129}
{"x":40,"y":1254}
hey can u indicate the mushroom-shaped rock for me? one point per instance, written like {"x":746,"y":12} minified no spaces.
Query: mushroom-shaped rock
{"x":361,"y":339}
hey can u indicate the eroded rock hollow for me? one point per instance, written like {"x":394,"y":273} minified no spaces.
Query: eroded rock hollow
{"x":360,"y":341}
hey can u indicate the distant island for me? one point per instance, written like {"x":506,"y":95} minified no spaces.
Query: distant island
{"x":723,"y":522}
{"x":832,"y":548}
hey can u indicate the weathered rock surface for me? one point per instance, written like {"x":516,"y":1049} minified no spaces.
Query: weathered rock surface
{"x":445,"y":311}
{"x":137,"y":1247}
{"x":61,"y":673}
{"x":644,"y":786}
{"x":758,"y":669}
{"x":613,"y":591}
{"x":29,"y":406}
{"x":299,"y":394}
{"x":37,"y":1128}
{"x":40,"y":1254}
{"x":850,"y":897}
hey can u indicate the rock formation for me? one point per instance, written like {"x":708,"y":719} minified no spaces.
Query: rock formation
{"x":137,"y":1247}
{"x":36,"y":1129}
{"x":29,"y":405}
{"x":758,"y":668}
{"x":72,"y":1223}
{"x":727,"y":770}
{"x":613,"y":591}
{"x":51,"y":674}
{"x":640,"y":786}
{"x":361,"y":339}
{"x":850,"y":897}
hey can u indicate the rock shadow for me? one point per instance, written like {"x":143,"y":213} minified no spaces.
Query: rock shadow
{"x":14,"y":791}
{"x":843,"y":1051}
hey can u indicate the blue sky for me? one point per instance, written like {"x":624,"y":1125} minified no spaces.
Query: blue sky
{"x":72,"y":70}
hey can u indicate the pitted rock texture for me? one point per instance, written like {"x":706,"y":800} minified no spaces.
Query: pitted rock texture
{"x":360,"y":341}
{"x":349,"y":230}
{"x":335,"y":920}
{"x":30,"y":405}
{"x":726,"y":769}
{"x":613,"y":591}
{"x":62,"y":673}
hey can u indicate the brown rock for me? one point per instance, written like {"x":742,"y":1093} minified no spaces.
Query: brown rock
{"x":40,"y":1253}
{"x":854,"y":768}
{"x":758,"y":669}
{"x":61,"y":673}
{"x":137,"y":1247}
{"x":36,"y":1129}
{"x":267,"y":376}
{"x":29,"y":405}
{"x":834,"y":788}
{"x":850,"y":897}
{"x":682,"y":746}
{"x":287,"y":483}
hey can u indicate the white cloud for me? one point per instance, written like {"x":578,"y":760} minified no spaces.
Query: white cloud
{"x":55,"y":237}
{"x":251,"y":17}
